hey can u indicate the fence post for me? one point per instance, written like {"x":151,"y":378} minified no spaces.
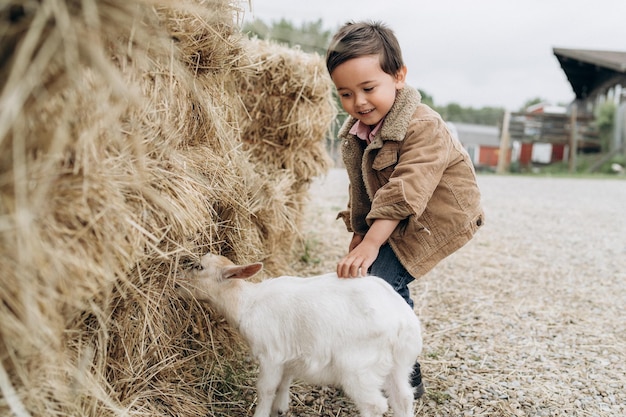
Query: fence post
{"x":503,"y":153}
{"x":573,"y":139}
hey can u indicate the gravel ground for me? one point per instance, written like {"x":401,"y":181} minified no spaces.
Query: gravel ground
{"x":525,"y":320}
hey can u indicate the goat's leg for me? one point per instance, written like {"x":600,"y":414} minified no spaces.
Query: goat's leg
{"x":367,"y":395}
{"x":400,"y":392}
{"x":270,"y":377}
{"x":281,"y":402}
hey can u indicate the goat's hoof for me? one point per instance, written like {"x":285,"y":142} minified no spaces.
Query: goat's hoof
{"x":419,"y":391}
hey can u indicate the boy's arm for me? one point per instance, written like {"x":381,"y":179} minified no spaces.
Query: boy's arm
{"x":357,"y":262}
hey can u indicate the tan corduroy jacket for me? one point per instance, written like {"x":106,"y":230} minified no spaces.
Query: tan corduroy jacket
{"x":416,"y":172}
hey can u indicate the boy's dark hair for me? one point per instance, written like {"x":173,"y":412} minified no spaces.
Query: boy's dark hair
{"x":354,"y":40}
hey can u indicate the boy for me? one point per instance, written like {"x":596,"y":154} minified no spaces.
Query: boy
{"x":413,"y":197}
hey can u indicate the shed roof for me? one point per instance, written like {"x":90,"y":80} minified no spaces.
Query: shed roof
{"x":471,"y":134}
{"x":588,"y":70}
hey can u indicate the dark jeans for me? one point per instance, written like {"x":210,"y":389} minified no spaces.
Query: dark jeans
{"x":388,"y":267}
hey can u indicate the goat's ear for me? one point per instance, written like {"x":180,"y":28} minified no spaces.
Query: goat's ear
{"x":241,"y":271}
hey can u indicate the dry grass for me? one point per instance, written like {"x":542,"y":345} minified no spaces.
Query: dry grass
{"x":121,"y":157}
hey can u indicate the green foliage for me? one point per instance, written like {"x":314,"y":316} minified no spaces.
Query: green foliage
{"x":439,"y":397}
{"x":583,"y":164}
{"x":608,"y":167}
{"x":454,"y":112}
{"x":434,"y":354}
{"x":531,"y":102}
{"x":427,"y":99}
{"x":309,"y":248}
{"x":341,"y":116}
{"x":604,"y":122}
{"x":313,"y":37}
{"x":310,"y":36}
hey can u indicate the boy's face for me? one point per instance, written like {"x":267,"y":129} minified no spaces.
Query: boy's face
{"x":366,"y":91}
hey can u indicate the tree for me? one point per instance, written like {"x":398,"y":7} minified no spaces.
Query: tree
{"x":427,"y":98}
{"x":310,"y":36}
{"x":531,"y":102}
{"x":454,"y":112}
{"x":605,"y":121}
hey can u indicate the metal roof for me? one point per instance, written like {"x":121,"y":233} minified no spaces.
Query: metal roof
{"x":471,"y":134}
{"x":588,"y":70}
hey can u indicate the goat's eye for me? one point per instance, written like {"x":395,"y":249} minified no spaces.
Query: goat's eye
{"x":198,"y":267}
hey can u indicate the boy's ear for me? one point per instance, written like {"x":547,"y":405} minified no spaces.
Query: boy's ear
{"x":401,"y":77}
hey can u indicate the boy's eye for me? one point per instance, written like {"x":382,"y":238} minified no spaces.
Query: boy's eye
{"x":344,"y":95}
{"x":368,"y":89}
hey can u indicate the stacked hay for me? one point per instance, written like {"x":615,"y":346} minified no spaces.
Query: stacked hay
{"x":289,"y":107}
{"x":121,"y":158}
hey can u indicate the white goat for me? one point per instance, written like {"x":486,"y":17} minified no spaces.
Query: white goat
{"x":358,"y":333}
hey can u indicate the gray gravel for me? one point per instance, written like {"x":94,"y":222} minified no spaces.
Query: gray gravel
{"x":527,"y":319}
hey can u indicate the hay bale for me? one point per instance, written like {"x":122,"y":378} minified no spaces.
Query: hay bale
{"x":289,"y":108}
{"x":120,"y":158}
{"x":209,"y":43}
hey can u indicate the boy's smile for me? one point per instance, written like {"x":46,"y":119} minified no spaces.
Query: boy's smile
{"x":366,"y":91}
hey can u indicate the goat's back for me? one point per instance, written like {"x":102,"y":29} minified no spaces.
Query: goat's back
{"x":324,"y":319}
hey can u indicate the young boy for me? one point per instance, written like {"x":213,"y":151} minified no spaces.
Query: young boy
{"x":413,"y":197}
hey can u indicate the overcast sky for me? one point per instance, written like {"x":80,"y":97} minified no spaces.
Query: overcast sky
{"x":476,"y":52}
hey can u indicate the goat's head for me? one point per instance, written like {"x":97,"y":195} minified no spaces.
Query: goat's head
{"x":212,"y":270}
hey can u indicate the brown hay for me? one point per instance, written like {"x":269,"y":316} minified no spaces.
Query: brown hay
{"x":120,"y":158}
{"x":208,"y":42}
{"x":289,"y":107}
{"x":288,"y":99}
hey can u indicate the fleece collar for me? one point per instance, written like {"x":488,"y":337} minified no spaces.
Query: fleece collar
{"x":398,"y":118}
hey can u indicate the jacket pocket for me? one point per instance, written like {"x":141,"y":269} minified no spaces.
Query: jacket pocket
{"x":384,"y":163}
{"x":387,"y":157}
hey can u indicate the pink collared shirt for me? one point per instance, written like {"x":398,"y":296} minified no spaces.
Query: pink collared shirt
{"x":364,"y":132}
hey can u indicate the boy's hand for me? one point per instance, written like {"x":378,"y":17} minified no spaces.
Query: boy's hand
{"x":364,"y":249}
{"x":357,"y":262}
{"x":361,"y":256}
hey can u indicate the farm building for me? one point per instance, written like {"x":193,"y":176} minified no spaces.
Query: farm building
{"x":596,"y":77}
{"x":545,"y":134}
{"x":482,"y":143}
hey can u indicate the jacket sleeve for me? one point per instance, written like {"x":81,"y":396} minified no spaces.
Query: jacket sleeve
{"x":344,"y":215}
{"x":421,"y":160}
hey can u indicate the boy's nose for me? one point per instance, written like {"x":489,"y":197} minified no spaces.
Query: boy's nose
{"x":360,"y":99}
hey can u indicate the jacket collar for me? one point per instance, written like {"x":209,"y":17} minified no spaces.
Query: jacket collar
{"x":398,"y":118}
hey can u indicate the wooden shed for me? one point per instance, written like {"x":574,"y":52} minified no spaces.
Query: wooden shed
{"x":597,"y":76}
{"x":594,"y":74}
